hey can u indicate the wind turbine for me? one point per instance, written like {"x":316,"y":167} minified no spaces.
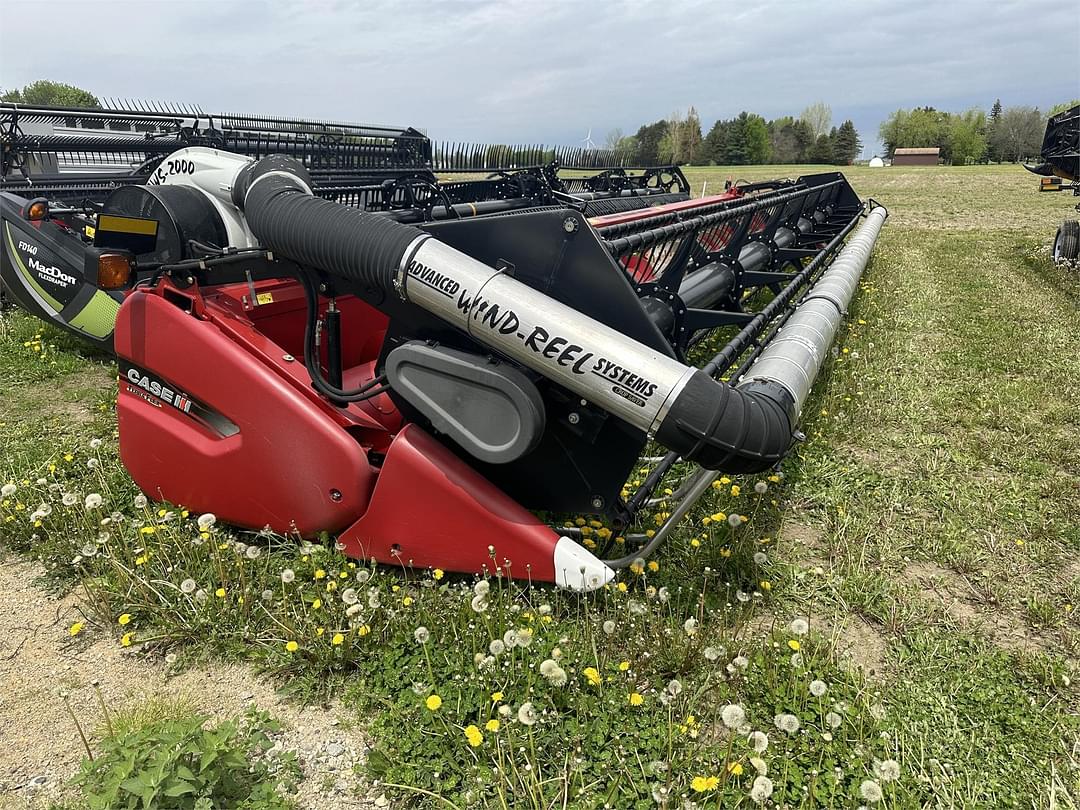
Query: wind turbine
{"x":588,"y":141}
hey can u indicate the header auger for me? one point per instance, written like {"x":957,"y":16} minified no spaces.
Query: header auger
{"x":1061,"y":161}
{"x":421,"y":386}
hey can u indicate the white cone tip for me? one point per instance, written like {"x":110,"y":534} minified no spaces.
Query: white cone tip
{"x":578,"y":570}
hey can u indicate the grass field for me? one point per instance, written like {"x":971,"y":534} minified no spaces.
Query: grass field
{"x":897,"y":614}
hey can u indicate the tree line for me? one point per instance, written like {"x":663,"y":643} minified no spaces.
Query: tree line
{"x":745,"y":139}
{"x":1007,"y":134}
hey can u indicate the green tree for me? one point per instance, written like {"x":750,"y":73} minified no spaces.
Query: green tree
{"x":991,"y":128}
{"x":648,"y":139}
{"x":846,"y":144}
{"x":1019,"y":133}
{"x":818,"y":116}
{"x":821,"y":151}
{"x":967,"y":137}
{"x":55,"y":94}
{"x":923,"y":126}
{"x":1063,"y":106}
{"x":755,"y":137}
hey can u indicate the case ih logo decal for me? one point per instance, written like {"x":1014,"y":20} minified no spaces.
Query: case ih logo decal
{"x":144,"y":385}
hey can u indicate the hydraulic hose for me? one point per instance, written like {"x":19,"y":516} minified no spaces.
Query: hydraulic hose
{"x":705,"y":421}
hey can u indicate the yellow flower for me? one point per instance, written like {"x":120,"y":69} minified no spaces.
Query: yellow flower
{"x":126,"y":639}
{"x":765,"y":585}
{"x":408,"y":600}
{"x":794,"y":644}
{"x":473,"y":735}
{"x":496,"y":697}
{"x":654,"y":566}
{"x":147,"y":530}
{"x":220,"y":593}
{"x":337,"y":640}
{"x":141,"y":559}
{"x":437,"y":573}
{"x":320,"y":631}
{"x":719,"y":517}
{"x":343,"y":575}
{"x":433,"y":703}
{"x":735,"y":490}
{"x":695,"y":542}
{"x":591,"y":675}
{"x":68,"y":457}
{"x":124,"y":618}
{"x":703,"y":784}
{"x":75,"y":629}
{"x":725,"y":480}
{"x":291,"y":646}
{"x":492,"y":725}
{"x":320,"y":574}
{"x":735,"y":768}
{"x":635,"y":699}
{"x":316,"y":604}
{"x":622,"y":587}
{"x":363,"y":630}
{"x":623,"y":666}
{"x":637,"y":569}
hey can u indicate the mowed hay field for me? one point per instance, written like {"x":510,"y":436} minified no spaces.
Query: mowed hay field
{"x":907,"y":590}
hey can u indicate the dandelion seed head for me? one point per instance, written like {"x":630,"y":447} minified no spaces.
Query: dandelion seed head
{"x":288,"y":575}
{"x":799,"y":627}
{"x":422,"y":635}
{"x":818,"y":688}
{"x":734,"y":520}
{"x":609,"y":627}
{"x":92,"y":463}
{"x":760,"y":765}
{"x":206,"y":521}
{"x":787,"y":723}
{"x":888,"y":770}
{"x":7,"y":490}
{"x":141,"y":502}
{"x":496,"y":647}
{"x":674,"y":687}
{"x":833,"y":720}
{"x":760,"y":558}
{"x":733,"y":715}
{"x":482,"y":587}
{"x":759,"y":741}
{"x":69,"y":499}
{"x":526,"y":714}
{"x":870,"y":791}
{"x":93,"y":501}
{"x":761,"y":487}
{"x":362,"y":576}
{"x":741,"y":662}
{"x":690,"y":626}
{"x":713,"y":653}
{"x":479,"y":603}
{"x":761,"y":790}
{"x":188,"y":586}
{"x":253,"y":552}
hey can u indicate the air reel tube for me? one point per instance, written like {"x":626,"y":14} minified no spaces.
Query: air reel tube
{"x":719,"y":427}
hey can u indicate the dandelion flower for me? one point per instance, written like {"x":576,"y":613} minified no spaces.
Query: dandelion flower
{"x":788,"y":723}
{"x":220,"y":593}
{"x":703,"y":784}
{"x":188,"y":586}
{"x":888,"y":770}
{"x":421,"y":635}
{"x":206,"y":521}
{"x":735,"y":768}
{"x":492,"y":725}
{"x":337,"y":640}
{"x":75,"y":629}
{"x":609,"y":627}
{"x":818,"y":688}
{"x":870,"y":791}
{"x":495,"y":696}
{"x":799,"y":627}
{"x":761,"y":790}
{"x":433,"y":703}
{"x":126,"y":639}
{"x":473,"y":735}
{"x":291,"y":646}
{"x":733,"y":715}
{"x":794,"y":645}
{"x":759,"y":741}
{"x":833,"y":720}
{"x":526,"y":714}
{"x":93,"y":501}
{"x":635,"y":699}
{"x":690,"y":626}
{"x":591,"y":675}
{"x":124,"y":619}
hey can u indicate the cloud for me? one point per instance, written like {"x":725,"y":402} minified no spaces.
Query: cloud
{"x":509,"y":70}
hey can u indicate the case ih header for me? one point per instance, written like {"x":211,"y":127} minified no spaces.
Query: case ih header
{"x":311,"y":356}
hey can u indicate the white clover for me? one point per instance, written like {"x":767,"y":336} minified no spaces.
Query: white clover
{"x":759,"y":741}
{"x":870,"y":791}
{"x":833,"y":720}
{"x":788,"y":723}
{"x":888,"y":770}
{"x":818,"y":688}
{"x":349,"y":596}
{"x":761,"y":790}
{"x":733,"y":715}
{"x":141,"y":501}
{"x":7,"y":490}
{"x":609,"y":627}
{"x":496,"y":647}
{"x":93,"y":501}
{"x":188,"y":586}
{"x":479,"y":603}
{"x":690,"y":626}
{"x":482,"y":587}
{"x":799,"y":627}
{"x":69,"y":499}
{"x":288,"y":575}
{"x":206,"y":521}
{"x":422,"y":635}
{"x":526,"y":714}
{"x":761,"y":487}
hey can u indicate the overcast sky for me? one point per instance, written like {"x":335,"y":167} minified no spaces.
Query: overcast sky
{"x":550,"y":71}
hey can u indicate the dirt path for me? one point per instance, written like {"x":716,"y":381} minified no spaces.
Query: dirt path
{"x":40,"y":747}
